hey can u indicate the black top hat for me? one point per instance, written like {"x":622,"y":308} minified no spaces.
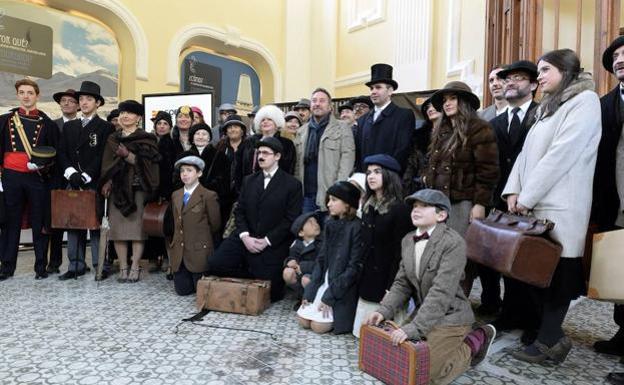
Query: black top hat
{"x":362,"y":99}
{"x":607,"y":56}
{"x":42,"y":155}
{"x":131,"y":106}
{"x":91,"y":89}
{"x":70,"y":92}
{"x":458,"y":88}
{"x":272,"y":143}
{"x":521,"y":65}
{"x":382,"y":73}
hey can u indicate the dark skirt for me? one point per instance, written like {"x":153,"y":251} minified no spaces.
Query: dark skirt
{"x":568,"y":282}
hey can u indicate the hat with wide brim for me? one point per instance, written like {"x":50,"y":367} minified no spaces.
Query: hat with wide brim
{"x":227,"y":107}
{"x":91,"y":89}
{"x":233,"y":120}
{"x":382,"y":73}
{"x":607,"y":55}
{"x":521,"y":65}
{"x":70,"y":92}
{"x":42,"y":155}
{"x":461,"y":89}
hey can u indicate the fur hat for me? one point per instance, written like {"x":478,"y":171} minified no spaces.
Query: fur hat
{"x":162,"y":115}
{"x":347,"y":192}
{"x":270,"y":112}
{"x":131,"y":106}
{"x":199,"y":126}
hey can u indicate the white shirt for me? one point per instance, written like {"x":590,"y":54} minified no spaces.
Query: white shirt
{"x":66,"y":119}
{"x":521,"y":112}
{"x":419,"y":248}
{"x":191,"y":189}
{"x":621,"y":90}
{"x":268,"y":175}
{"x":379,"y":109}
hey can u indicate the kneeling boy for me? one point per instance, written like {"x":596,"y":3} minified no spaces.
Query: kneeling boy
{"x":433,"y":258}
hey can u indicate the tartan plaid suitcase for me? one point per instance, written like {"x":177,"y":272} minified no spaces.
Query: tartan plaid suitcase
{"x":406,"y":364}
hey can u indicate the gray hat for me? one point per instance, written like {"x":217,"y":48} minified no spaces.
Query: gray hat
{"x":431,"y":197}
{"x":190,"y":160}
{"x":303,"y":103}
{"x":227,"y":107}
{"x":292,"y":114}
{"x":301,"y":220}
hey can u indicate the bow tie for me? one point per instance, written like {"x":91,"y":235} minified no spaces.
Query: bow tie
{"x":267,"y":176}
{"x":422,"y":237}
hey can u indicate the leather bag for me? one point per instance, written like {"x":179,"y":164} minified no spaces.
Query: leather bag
{"x":514,"y":245}
{"x":74,"y":209}
{"x":158,"y":219}
{"x":607,"y":267}
{"x":233,"y":295}
{"x":406,"y":364}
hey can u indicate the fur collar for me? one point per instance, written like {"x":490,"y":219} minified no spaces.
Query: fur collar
{"x":382,"y":206}
{"x":584,"y":82}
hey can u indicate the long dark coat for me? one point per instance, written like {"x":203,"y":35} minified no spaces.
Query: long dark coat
{"x":606,"y":203}
{"x":342,"y":254}
{"x":508,"y":149}
{"x":165,"y":166}
{"x":246,"y":151}
{"x":390,"y":134}
{"x":382,"y":234}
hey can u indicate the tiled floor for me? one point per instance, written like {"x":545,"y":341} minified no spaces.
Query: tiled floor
{"x":82,"y":332}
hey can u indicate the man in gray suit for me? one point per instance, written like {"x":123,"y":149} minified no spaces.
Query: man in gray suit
{"x":497,"y":90}
{"x":68,"y":101}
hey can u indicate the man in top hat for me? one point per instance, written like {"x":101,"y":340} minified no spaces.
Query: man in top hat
{"x":68,"y":101}
{"x":80,"y":160}
{"x":388,"y":128}
{"x":324,"y":152}
{"x":303,"y":109}
{"x":24,"y":131}
{"x":511,"y":128}
{"x":608,"y":204}
{"x":269,"y":201}
{"x":497,"y":90}
{"x":225,"y":110}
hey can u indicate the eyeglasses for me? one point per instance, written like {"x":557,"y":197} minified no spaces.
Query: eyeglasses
{"x":360,"y":106}
{"x":515,"y":78}
{"x":263,"y":152}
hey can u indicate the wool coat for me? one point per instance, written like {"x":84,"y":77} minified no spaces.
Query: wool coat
{"x":390,"y":134}
{"x":469,"y":172}
{"x":439,"y":298}
{"x":336,"y":156}
{"x":554,"y":172}
{"x":194,"y":225}
{"x":508,"y":148}
{"x":245,"y":157}
{"x":342,"y":255}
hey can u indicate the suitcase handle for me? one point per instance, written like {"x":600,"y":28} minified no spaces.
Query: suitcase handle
{"x":393,"y":325}
{"x":242,"y":281}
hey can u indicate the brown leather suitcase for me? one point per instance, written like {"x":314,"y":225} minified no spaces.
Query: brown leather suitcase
{"x":515,"y":246}
{"x":155,"y":217}
{"x":74,"y":209}
{"x":233,"y":295}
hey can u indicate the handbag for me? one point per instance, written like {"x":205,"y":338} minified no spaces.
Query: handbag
{"x":516,"y":246}
{"x":158,"y":219}
{"x":406,"y":364}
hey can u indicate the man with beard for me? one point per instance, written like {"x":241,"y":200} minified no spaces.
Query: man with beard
{"x":388,"y":128}
{"x":270,"y":200}
{"x":496,"y":86}
{"x":511,"y":128}
{"x":608,"y":204}
{"x":325,"y":152}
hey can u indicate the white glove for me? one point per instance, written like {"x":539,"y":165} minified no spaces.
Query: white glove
{"x":32,"y":167}
{"x":1,"y":188}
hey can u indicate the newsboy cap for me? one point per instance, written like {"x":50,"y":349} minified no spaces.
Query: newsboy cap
{"x":431,"y":197}
{"x":301,"y":220}
{"x":190,"y":160}
{"x":383,"y":160}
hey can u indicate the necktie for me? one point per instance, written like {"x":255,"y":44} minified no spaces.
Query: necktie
{"x":85,"y":122}
{"x":186,"y":198}
{"x":422,"y":237}
{"x":514,"y":127}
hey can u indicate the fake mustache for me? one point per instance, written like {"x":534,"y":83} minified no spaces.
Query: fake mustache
{"x":260,"y":159}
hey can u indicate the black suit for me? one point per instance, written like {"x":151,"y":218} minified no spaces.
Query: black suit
{"x":390,"y":134}
{"x":262,"y":213}
{"x":518,"y":310}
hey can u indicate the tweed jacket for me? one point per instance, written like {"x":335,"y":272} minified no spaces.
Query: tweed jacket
{"x":336,"y":156}
{"x":194,"y":225}
{"x":439,"y":298}
{"x":553,"y":174}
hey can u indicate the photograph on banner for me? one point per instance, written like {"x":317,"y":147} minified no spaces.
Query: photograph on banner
{"x":170,"y":102}
{"x":57,"y":50}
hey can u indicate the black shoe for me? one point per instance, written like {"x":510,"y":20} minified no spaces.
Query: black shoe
{"x":52,"y":270}
{"x":616,"y":378}
{"x":613,"y":346}
{"x":4,"y":276}
{"x":70,"y":275}
{"x":105,"y":274}
{"x":41,"y":275}
{"x":528,"y":336}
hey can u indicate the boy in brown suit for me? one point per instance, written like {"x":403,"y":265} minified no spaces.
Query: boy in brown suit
{"x":196,"y":217}
{"x":433,"y":258}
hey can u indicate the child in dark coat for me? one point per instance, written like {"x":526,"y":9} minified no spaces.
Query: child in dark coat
{"x":330,"y":299}
{"x":302,"y":254}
